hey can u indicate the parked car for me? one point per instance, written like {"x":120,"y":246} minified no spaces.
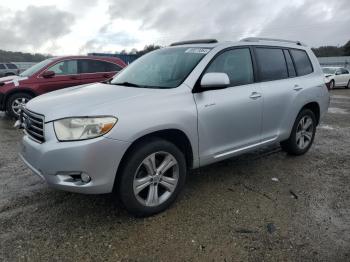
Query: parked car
{"x":52,"y":74}
{"x":178,"y":108}
{"x":337,"y":77}
{"x":8,"y":69}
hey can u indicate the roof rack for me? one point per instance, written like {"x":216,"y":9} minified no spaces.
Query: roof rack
{"x":257,"y":39}
{"x":198,"y":41}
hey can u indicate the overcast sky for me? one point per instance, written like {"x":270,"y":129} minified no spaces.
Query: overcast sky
{"x":79,"y":26}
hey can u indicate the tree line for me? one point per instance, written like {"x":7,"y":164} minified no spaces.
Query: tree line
{"x":9,"y":56}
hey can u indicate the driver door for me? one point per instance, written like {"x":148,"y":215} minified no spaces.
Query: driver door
{"x":229,"y":120}
{"x":66,"y":75}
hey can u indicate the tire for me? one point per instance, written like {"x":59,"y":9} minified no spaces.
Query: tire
{"x":135,"y":195}
{"x":331,"y":84}
{"x":14,"y":101}
{"x":348,"y":85}
{"x":299,"y":146}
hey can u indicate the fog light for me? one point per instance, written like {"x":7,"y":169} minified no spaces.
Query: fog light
{"x":85,"y":178}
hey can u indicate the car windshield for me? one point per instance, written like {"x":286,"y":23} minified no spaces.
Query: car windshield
{"x":35,"y":68}
{"x":327,"y":70}
{"x":163,"y":68}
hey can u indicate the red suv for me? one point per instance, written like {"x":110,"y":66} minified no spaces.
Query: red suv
{"x":52,"y":74}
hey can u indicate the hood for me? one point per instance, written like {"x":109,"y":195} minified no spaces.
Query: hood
{"x":88,"y":100}
{"x":12,"y":79}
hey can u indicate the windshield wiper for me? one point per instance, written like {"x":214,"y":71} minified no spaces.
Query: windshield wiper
{"x":126,"y":84}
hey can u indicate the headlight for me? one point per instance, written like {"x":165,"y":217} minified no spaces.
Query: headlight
{"x":82,"y":128}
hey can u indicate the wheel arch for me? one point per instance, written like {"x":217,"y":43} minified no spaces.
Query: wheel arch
{"x":175,"y":136}
{"x":315,"y":108}
{"x":16,"y":91}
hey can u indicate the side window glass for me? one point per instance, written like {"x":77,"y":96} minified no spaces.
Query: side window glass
{"x":237,"y":64}
{"x":272,"y":64}
{"x":11,"y":66}
{"x":2,"y":66}
{"x":290,"y":65}
{"x":96,"y":66}
{"x":66,"y":67}
{"x":302,"y":62}
{"x":344,"y":71}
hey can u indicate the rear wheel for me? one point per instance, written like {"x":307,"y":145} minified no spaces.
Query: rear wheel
{"x":15,"y":103}
{"x":302,"y":135}
{"x":152,"y":177}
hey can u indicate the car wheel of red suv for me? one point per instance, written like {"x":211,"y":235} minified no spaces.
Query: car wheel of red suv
{"x":14,"y":103}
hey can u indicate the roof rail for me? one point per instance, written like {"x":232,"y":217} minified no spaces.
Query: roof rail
{"x":257,"y":39}
{"x":198,"y":41}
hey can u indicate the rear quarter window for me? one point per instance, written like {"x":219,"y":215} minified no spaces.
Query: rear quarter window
{"x":2,"y":66}
{"x":302,"y":62}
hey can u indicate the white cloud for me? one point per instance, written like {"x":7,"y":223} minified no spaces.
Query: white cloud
{"x":70,"y":27}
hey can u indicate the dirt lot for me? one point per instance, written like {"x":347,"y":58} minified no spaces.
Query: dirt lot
{"x":230,"y":211}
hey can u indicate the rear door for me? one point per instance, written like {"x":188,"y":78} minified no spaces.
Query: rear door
{"x":66,"y":75}
{"x":278,"y":84}
{"x":96,"y":70}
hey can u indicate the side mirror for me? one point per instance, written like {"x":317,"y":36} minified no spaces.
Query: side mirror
{"x":215,"y":80}
{"x":48,"y":74}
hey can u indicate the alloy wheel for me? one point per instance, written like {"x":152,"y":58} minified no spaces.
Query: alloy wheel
{"x":18,"y":103}
{"x":156,"y":179}
{"x":304,"y":132}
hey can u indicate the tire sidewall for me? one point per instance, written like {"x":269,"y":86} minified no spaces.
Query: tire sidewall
{"x":126,"y":177}
{"x":296,"y":149}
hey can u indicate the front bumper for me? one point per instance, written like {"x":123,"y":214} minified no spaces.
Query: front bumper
{"x":99,"y":158}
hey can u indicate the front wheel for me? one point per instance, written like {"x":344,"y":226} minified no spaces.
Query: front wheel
{"x":331,"y":84}
{"x":302,"y":135}
{"x":15,"y":102}
{"x":151,"y":178}
{"x":348,"y":85}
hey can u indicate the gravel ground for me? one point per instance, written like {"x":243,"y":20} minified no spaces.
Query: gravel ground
{"x":231,"y":211}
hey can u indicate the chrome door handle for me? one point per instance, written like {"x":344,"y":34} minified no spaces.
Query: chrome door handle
{"x":297,"y":88}
{"x":255,"y":95}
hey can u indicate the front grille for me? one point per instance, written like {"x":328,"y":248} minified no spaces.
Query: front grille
{"x":33,"y":125}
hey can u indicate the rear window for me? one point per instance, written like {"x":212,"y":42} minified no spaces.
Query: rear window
{"x":2,"y":66}
{"x":272,"y":64}
{"x":302,"y":62}
{"x":95,"y":66}
{"x":11,"y":66}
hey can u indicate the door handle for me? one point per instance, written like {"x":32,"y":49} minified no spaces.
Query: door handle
{"x":297,"y":88}
{"x":255,"y":95}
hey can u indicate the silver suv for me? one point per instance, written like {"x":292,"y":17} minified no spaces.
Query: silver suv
{"x":8,"y":69}
{"x":178,"y":108}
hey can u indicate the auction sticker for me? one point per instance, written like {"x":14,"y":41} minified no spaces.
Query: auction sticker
{"x":197,"y":50}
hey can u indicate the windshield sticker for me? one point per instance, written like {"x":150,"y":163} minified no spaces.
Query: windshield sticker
{"x":197,"y":50}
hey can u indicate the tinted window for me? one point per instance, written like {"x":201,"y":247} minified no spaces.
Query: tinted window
{"x":66,"y":67}
{"x":2,"y":66}
{"x":95,"y":66}
{"x":236,"y":63}
{"x":302,"y":62}
{"x":272,"y":64}
{"x":11,"y":66}
{"x":290,"y":65}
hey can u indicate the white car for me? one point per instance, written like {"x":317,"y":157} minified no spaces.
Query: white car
{"x":337,"y":77}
